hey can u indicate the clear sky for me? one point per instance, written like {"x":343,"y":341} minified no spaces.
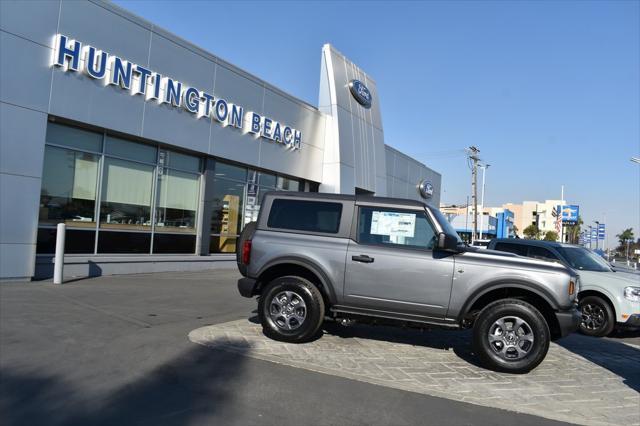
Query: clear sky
{"x":549,"y":91}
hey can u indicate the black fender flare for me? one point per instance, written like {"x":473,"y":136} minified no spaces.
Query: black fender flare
{"x":325,"y":281}
{"x":497,"y":285}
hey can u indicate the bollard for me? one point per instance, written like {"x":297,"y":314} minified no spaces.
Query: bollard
{"x":58,"y":265}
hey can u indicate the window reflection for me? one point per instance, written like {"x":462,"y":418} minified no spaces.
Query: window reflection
{"x":126,"y":195}
{"x":177,"y":201}
{"x":68,"y":187}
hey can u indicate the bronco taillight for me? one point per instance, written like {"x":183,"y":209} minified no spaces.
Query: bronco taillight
{"x":246,"y":252}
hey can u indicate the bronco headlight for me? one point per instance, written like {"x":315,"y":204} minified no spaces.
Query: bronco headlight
{"x":632,"y":293}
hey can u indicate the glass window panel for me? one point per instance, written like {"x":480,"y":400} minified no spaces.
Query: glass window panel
{"x":180,"y":161}
{"x":124,"y":242}
{"x":287,"y":184}
{"x":265,"y":179}
{"x":255,"y":194}
{"x":395,"y":227}
{"x":132,"y":150}
{"x":178,"y":194}
{"x":226,"y":220}
{"x":74,"y":137}
{"x":227,"y":171}
{"x":126,"y":195}
{"x":302,"y":215}
{"x":76,"y":241}
{"x":68,"y":190}
{"x":174,"y":243}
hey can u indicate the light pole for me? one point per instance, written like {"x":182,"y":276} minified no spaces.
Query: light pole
{"x":597,"y":232}
{"x":590,"y":236}
{"x":484,"y":170}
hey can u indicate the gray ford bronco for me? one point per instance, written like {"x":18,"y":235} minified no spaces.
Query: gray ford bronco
{"x":314,"y":257}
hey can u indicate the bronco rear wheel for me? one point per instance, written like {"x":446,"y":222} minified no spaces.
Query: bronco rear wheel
{"x":511,"y":336}
{"x":291,"y":309}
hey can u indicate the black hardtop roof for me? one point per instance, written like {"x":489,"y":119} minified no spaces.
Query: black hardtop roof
{"x":539,"y":243}
{"x":348,"y":197}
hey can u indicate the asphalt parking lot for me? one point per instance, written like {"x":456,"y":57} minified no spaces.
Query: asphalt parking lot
{"x":178,"y":348}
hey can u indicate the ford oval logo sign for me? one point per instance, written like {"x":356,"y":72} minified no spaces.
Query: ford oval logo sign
{"x":425,"y":188}
{"x":360,"y":93}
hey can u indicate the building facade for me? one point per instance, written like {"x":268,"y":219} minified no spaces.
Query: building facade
{"x":154,"y":152}
{"x":540,"y":214}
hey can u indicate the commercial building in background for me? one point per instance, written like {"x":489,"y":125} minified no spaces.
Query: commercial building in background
{"x":496,"y":222}
{"x":542,"y":214}
{"x":154,"y":152}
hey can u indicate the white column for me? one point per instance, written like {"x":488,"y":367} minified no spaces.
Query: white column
{"x":59,"y":257}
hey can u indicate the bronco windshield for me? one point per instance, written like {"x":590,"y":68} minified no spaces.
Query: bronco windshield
{"x":584,"y":260}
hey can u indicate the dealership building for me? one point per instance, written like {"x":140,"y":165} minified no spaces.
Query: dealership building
{"x":154,"y":152}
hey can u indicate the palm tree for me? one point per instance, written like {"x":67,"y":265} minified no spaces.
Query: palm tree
{"x":573,"y":231}
{"x":624,"y":236}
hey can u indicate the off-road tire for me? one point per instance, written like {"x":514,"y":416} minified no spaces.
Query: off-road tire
{"x":312,"y":298}
{"x":511,"y":308}
{"x":609,"y":321}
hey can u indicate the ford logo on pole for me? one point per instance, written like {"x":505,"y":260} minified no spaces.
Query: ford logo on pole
{"x":425,"y":188}
{"x":360,"y":93}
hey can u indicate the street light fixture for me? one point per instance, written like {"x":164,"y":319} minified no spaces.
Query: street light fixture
{"x":635,"y":159}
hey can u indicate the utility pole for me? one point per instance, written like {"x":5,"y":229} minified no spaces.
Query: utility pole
{"x":484,"y":171}
{"x":473,"y":156}
{"x":597,"y":232}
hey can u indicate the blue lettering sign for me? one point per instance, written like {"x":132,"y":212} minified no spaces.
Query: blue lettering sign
{"x":142,"y":82}
{"x":237,"y":114}
{"x":120,"y":72}
{"x":63,"y":52}
{"x":71,"y":55}
{"x":173,"y":92}
{"x":191,"y":99}
{"x":266,"y":128}
{"x":255,"y":123}
{"x":90,"y":62}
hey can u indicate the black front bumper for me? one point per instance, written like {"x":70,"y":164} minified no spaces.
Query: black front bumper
{"x":633,"y":321}
{"x":247,"y":286}
{"x":569,"y":321}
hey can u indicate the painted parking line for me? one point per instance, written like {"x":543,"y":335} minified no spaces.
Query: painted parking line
{"x":582,"y":380}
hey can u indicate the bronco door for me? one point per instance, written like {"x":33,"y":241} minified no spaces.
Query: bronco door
{"x":391,"y":265}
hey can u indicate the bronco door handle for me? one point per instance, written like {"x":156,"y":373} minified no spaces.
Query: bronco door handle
{"x":362,"y":258}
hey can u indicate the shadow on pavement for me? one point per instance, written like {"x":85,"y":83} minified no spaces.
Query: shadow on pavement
{"x":622,"y":360}
{"x":459,"y":341}
{"x":188,"y":387}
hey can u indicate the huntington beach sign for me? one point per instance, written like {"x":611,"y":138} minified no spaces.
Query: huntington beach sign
{"x":72,"y":56}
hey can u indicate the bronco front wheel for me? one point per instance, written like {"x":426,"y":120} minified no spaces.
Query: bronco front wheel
{"x":511,"y":336}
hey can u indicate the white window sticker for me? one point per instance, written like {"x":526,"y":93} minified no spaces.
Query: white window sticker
{"x":393,"y":224}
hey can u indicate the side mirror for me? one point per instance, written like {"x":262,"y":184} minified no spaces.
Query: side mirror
{"x":447,"y":242}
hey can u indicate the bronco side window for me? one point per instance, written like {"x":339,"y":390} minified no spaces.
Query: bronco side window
{"x":395,"y":227}
{"x":303,"y":215}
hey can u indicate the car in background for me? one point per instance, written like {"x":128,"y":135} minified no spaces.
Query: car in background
{"x":607,"y":298}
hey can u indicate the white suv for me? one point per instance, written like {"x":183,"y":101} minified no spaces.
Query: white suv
{"x":607,"y":297}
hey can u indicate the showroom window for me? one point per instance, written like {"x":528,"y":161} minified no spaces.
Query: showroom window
{"x":237,"y":196}
{"x":120,"y":196}
{"x":104,"y":188}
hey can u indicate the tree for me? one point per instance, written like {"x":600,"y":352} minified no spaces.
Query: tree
{"x":551,"y":236}
{"x":624,"y":236}
{"x":573,"y":231}
{"x":515,"y":230}
{"x":532,"y":232}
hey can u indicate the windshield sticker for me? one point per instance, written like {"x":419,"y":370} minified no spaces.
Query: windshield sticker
{"x":393,"y":224}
